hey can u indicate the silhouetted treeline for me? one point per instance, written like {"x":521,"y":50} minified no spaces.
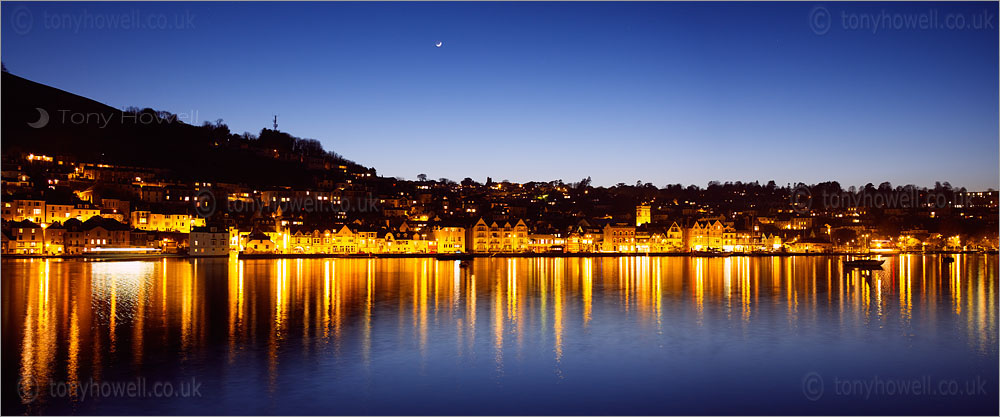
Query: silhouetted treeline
{"x":85,"y":130}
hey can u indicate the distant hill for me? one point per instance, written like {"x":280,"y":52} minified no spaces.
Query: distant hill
{"x":89,"y":131}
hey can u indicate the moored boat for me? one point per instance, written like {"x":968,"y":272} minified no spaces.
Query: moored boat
{"x":864,"y":263}
{"x":453,"y":256}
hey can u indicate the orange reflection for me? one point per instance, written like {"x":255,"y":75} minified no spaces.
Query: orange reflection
{"x":77,"y":320}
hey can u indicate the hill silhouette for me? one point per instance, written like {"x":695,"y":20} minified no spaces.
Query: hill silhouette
{"x":85,"y":130}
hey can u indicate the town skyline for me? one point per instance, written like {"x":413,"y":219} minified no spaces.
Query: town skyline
{"x":104,"y":119}
{"x":77,"y":187}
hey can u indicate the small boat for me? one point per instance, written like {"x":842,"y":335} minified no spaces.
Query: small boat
{"x":464,"y":264}
{"x":948,"y":259}
{"x":864,"y":263}
{"x":453,"y":256}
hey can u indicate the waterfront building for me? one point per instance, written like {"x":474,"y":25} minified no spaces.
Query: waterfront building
{"x":26,"y":238}
{"x":368,"y":241}
{"x":498,"y":236}
{"x":95,"y":234}
{"x":208,"y":241}
{"x":344,"y":240}
{"x":583,"y":238}
{"x":449,"y":239}
{"x":619,"y":237}
{"x":546,"y":242}
{"x":675,"y":238}
{"x":258,"y":242}
{"x":704,"y":235}
{"x":55,"y":239}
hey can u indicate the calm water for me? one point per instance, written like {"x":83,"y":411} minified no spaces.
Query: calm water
{"x":506,"y":336}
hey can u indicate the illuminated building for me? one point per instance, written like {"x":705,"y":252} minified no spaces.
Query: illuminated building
{"x":706,"y":235}
{"x":209,"y":241}
{"x":795,"y":223}
{"x":498,"y":237}
{"x":55,"y":239}
{"x":94,"y":234}
{"x":401,"y":242}
{"x":642,"y":214}
{"x":303,"y":240}
{"x":26,"y":238}
{"x":770,"y":242}
{"x":675,"y":237}
{"x":20,"y":210}
{"x":122,"y":207}
{"x":546,"y":242}
{"x":449,"y":239}
{"x":56,"y":212}
{"x":297,"y":200}
{"x":583,"y":238}
{"x":619,"y":237}
{"x":809,"y":244}
{"x":368,"y":241}
{"x":258,"y":242}
{"x":147,"y":220}
{"x":344,"y":240}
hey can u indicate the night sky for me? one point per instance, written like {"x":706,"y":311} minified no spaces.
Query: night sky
{"x":659,"y":92}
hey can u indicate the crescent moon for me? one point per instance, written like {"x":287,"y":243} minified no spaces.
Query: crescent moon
{"x":43,"y":119}
{"x":439,"y":44}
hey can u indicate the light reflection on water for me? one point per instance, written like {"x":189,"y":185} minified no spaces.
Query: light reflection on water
{"x":629,"y":335}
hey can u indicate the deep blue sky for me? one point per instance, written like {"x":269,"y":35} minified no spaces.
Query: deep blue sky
{"x":659,"y":92}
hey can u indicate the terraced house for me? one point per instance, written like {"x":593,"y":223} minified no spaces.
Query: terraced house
{"x":619,"y":237}
{"x":498,"y":236}
{"x":583,"y":238}
{"x":26,"y":238}
{"x":19,"y":210}
{"x":304,"y":240}
{"x":61,"y":212}
{"x":708,"y":235}
{"x":95,"y":234}
{"x":449,"y":239}
{"x":209,"y":241}
{"x":161,"y":222}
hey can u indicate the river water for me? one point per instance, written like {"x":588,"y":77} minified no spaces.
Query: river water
{"x":629,"y":335}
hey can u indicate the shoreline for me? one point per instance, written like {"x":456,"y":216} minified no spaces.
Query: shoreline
{"x":469,"y":256}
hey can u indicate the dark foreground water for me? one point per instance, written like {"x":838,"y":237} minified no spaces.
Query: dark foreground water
{"x":629,"y":335}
